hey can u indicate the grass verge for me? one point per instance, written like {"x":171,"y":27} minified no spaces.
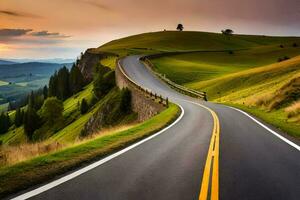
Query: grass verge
{"x":40,"y":169}
{"x":276,"y":118}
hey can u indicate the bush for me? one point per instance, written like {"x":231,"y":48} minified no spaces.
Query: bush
{"x":281,"y":46}
{"x":295,"y":45}
{"x":84,"y":107}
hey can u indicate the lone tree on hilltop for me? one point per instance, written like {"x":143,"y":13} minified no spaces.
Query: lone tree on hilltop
{"x":227,"y":32}
{"x":180,"y":27}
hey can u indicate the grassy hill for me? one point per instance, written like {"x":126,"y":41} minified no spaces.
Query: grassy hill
{"x":190,"y":41}
{"x":241,"y":70}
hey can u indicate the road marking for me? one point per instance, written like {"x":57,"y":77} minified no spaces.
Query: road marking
{"x":212,"y":160}
{"x":267,"y":128}
{"x":93,"y":165}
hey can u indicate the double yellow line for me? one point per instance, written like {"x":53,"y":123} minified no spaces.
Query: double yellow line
{"x":212,"y":162}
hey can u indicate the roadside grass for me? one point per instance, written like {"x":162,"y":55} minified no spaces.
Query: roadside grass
{"x":277,"y":118}
{"x":25,"y":174}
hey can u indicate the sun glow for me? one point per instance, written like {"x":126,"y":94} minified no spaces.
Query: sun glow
{"x":3,"y":47}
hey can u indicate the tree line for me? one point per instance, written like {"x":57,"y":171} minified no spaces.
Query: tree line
{"x":45,"y":105}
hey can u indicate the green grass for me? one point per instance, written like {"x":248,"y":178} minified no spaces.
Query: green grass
{"x":14,"y":136}
{"x":189,"y":41}
{"x":202,"y":61}
{"x":276,"y":118}
{"x":110,"y":61}
{"x":34,"y":171}
{"x":71,"y":104}
{"x":201,"y":66}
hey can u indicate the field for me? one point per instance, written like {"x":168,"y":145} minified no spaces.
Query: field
{"x":241,"y":70}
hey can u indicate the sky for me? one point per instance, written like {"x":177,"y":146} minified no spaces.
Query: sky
{"x":64,"y":28}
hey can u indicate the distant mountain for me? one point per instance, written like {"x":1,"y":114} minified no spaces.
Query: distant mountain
{"x":12,"y":71}
{"x":53,"y":60}
{"x":25,"y":77}
{"x":6,"y":62}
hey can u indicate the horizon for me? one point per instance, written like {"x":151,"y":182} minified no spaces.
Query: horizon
{"x":31,"y":29}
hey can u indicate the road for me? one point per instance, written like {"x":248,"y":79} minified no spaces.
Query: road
{"x":212,"y":152}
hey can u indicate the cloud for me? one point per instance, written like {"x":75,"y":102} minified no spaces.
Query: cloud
{"x":17,"y":14}
{"x":49,"y":34}
{"x":13,"y":32}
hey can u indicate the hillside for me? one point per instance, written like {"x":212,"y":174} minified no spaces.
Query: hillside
{"x":251,"y":72}
{"x":190,"y":41}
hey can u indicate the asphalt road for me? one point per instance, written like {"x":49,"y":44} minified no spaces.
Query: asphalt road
{"x":248,"y":161}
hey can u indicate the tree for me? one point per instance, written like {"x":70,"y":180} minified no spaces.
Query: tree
{"x":45,"y":92}
{"x":63,"y":88}
{"x":84,"y":107}
{"x":76,"y":79}
{"x":19,"y":117}
{"x":227,"y":32}
{"x":180,"y":27}
{"x":4,"y":122}
{"x":52,"y":110}
{"x":104,"y":83}
{"x":31,"y":122}
{"x":52,"y":91}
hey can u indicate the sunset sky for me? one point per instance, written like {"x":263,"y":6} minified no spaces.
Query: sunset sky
{"x":64,"y":28}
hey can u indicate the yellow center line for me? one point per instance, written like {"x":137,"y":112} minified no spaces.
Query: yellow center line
{"x":213,"y":154}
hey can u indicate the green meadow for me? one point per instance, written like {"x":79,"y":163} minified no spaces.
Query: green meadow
{"x":247,"y":71}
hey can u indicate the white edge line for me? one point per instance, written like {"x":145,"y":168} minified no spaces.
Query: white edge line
{"x":267,"y":128}
{"x":94,"y":165}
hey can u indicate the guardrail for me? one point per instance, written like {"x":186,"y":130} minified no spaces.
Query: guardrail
{"x":180,"y":88}
{"x":149,"y":94}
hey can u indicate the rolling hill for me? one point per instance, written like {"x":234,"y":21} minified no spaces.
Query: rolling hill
{"x":247,"y":71}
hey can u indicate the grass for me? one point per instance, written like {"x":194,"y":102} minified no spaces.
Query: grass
{"x":201,"y":66}
{"x":14,"y":136}
{"x":109,"y":61}
{"x":156,"y":42}
{"x":239,"y":70}
{"x":277,"y":118}
{"x":23,"y":175}
{"x":71,"y":104}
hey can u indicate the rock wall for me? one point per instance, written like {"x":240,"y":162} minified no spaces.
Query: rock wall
{"x":141,"y":102}
{"x":89,"y":60}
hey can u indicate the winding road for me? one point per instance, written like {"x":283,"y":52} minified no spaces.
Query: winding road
{"x":211,"y":152}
